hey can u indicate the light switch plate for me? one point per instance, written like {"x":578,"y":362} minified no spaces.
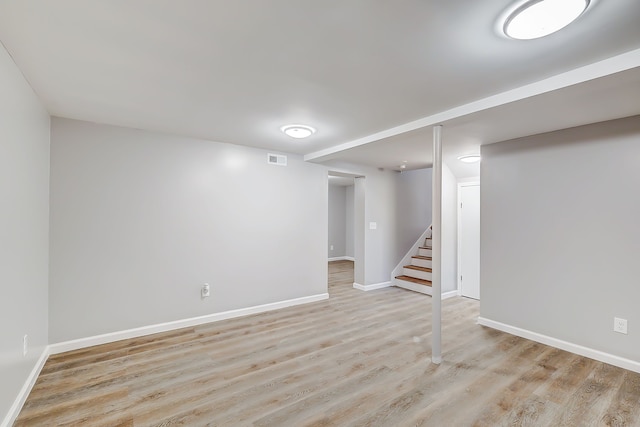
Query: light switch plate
{"x":373,"y":225}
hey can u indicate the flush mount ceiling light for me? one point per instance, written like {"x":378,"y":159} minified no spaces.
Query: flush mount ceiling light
{"x":298,"y":131}
{"x":539,"y":18}
{"x":471,"y":158}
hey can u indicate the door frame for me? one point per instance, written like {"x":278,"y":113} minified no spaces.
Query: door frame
{"x":459,"y":209}
{"x":359,"y":213}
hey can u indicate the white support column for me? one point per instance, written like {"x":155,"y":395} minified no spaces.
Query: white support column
{"x":436,"y":242}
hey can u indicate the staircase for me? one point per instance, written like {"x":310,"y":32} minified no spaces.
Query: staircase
{"x":417,"y":275}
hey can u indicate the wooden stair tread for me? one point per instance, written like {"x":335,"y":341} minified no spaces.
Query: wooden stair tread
{"x":415,"y":267}
{"x":414,"y":280}
{"x":422,"y":257}
{"x":426,"y":247}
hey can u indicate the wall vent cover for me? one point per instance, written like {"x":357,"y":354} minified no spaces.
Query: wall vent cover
{"x":277,"y":159}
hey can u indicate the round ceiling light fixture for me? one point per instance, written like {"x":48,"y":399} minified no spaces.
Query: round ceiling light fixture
{"x":539,"y":18}
{"x":298,"y":131}
{"x":471,"y":158}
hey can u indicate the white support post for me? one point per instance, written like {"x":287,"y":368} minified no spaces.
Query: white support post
{"x":436,"y":242}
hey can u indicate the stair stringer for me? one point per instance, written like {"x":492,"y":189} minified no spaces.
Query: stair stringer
{"x":413,"y":287}
{"x":407,"y":258}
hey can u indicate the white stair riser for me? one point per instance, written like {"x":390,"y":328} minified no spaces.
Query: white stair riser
{"x":416,"y":273}
{"x":412,"y":286}
{"x":428,"y":242}
{"x":421,"y":262}
{"x":424,"y":252}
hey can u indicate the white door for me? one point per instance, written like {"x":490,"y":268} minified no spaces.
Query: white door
{"x":469,"y":233}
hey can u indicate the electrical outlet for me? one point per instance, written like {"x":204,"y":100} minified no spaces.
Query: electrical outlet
{"x":620,"y":325}
{"x":205,"y":291}
{"x":331,"y":247}
{"x":25,"y":345}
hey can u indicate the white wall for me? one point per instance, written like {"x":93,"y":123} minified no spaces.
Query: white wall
{"x":561,"y":235}
{"x":399,"y":204}
{"x":140,"y":220}
{"x":337,"y":221}
{"x":414,"y":215}
{"x":382,"y":248}
{"x":449,"y":275}
{"x":349,"y":212}
{"x":413,"y":206}
{"x":24,"y":229}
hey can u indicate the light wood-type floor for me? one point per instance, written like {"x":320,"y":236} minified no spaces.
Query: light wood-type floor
{"x":357,"y":359}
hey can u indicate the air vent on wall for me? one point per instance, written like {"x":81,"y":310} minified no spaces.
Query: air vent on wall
{"x":277,"y":159}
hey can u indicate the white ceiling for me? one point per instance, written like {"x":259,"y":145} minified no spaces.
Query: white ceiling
{"x":235,"y":71}
{"x":605,"y":98}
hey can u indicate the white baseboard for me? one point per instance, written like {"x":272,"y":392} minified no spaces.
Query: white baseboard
{"x":423,"y":289}
{"x":426,"y":290}
{"x":450,"y":294}
{"x":15,"y":409}
{"x":371,"y":287}
{"x":342,"y":258}
{"x":601,"y":356}
{"x":178,"y":324}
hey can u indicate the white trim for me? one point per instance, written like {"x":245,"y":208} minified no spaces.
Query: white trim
{"x":450,"y":294}
{"x":470,"y":180}
{"x":591,"y":353}
{"x":371,"y":287}
{"x":404,"y":284}
{"x":411,"y":252}
{"x":342,"y":258}
{"x":460,"y":185}
{"x":615,"y":64}
{"x":16,"y":407}
{"x":178,"y":324}
{"x":426,"y":290}
{"x":62,"y":347}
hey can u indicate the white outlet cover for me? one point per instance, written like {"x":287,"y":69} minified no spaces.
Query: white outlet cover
{"x":620,"y":325}
{"x":373,"y":225}
{"x":205,"y":291}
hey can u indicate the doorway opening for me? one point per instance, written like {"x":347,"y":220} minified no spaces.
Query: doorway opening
{"x":345,"y":240}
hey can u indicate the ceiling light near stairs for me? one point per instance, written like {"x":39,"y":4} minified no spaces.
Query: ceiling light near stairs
{"x":471,"y":158}
{"x":539,"y":18}
{"x":298,"y":131}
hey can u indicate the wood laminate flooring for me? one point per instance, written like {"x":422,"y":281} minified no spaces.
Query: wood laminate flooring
{"x":357,"y":359}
